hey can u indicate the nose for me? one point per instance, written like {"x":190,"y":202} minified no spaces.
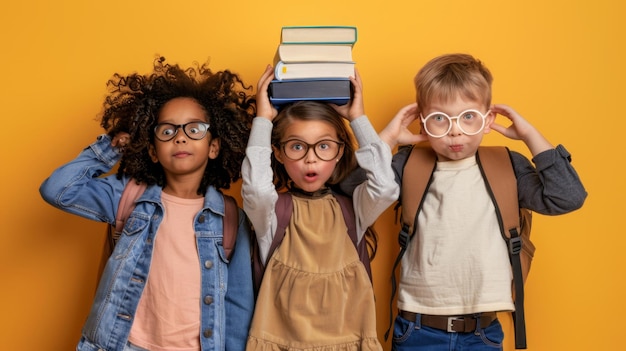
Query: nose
{"x":455,"y":129}
{"x":310,"y":155}
{"x":180,"y":136}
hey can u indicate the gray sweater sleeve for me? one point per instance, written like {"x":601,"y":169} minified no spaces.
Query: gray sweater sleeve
{"x":552,"y":186}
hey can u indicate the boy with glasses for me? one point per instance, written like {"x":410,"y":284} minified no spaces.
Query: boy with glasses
{"x":457,"y":265}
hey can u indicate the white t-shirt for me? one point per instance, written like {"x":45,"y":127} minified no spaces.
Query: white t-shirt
{"x":457,"y":263}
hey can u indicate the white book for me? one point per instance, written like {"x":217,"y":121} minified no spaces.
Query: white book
{"x":319,"y":34}
{"x":304,"y":70}
{"x":313,"y":52}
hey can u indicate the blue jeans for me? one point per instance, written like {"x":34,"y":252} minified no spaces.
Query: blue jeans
{"x":411,"y":336}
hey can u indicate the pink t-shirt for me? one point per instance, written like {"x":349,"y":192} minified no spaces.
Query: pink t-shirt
{"x":168,"y":315}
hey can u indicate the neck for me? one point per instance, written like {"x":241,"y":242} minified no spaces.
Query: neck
{"x":183,"y":191}
{"x":320,"y":192}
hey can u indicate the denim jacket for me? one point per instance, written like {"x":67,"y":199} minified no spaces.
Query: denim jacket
{"x":227,"y":292}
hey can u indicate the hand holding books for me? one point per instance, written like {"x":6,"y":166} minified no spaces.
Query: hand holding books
{"x":263,"y":106}
{"x":354,"y":108}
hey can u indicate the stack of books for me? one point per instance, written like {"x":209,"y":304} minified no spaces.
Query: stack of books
{"x":313,"y":63}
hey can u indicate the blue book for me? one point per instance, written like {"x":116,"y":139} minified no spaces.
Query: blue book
{"x":337,"y":91}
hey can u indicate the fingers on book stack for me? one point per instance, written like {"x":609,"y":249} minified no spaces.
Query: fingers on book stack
{"x":313,"y":63}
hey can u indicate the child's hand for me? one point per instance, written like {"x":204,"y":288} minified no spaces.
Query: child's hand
{"x":517,"y":130}
{"x":263,"y":106}
{"x":397,"y":131}
{"x":354,"y":108}
{"x":120,"y":140}
{"x":520,"y":129}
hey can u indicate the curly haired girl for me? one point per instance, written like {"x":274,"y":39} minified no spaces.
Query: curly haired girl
{"x":168,"y":283}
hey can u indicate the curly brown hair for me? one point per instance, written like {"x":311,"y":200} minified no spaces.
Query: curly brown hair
{"x":135,"y":101}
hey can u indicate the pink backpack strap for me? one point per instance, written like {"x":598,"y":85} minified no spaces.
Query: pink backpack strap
{"x":131,"y":193}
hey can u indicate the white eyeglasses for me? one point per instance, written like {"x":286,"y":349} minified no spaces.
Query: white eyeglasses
{"x":470,"y":122}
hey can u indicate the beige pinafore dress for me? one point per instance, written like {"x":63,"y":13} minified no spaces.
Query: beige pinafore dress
{"x":316,"y":294}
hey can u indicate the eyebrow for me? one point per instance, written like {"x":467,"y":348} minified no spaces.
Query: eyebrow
{"x":185,"y":122}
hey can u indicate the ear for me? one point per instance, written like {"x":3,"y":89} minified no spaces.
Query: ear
{"x":214,"y":148}
{"x":153,"y":154}
{"x":489,"y":119}
{"x":343,"y":147}
{"x":277,"y":154}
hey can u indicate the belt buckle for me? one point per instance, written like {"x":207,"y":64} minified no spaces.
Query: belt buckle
{"x":451,"y":324}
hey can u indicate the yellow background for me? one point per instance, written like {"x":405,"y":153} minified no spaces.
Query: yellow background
{"x":559,"y":63}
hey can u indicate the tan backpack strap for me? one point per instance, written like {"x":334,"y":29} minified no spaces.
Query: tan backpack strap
{"x":231,"y":224}
{"x":416,"y":176}
{"x":498,"y":170}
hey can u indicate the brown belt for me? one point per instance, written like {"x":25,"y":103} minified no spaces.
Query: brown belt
{"x":452,"y":324}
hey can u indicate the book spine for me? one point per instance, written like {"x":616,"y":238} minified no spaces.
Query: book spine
{"x":351,"y":41}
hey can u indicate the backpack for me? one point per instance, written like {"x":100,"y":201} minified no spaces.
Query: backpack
{"x":497,"y":170}
{"x":132,"y":192}
{"x":284,"y":209}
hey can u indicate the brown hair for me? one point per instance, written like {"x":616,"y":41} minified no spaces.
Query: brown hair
{"x":448,"y":76}
{"x":316,"y":111}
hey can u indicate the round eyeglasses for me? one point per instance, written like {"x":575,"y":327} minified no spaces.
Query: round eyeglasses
{"x":325,"y":150}
{"x":470,"y":122}
{"x":193,"y":130}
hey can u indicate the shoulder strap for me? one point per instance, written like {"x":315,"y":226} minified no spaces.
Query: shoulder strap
{"x":284,"y":209}
{"x":132,"y":192}
{"x":498,"y":173}
{"x":231,"y":224}
{"x":497,"y":168}
{"x":416,"y":177}
{"x":347,"y":209}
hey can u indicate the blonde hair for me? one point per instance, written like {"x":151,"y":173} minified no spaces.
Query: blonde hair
{"x":448,"y":76}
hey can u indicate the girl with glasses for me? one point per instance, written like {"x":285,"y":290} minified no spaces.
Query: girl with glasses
{"x":315,"y":293}
{"x":168,"y":284}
